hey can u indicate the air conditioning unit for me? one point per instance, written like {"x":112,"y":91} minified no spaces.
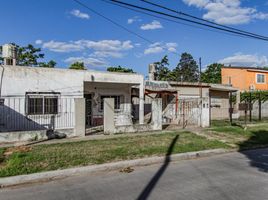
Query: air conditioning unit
{"x":252,"y":87}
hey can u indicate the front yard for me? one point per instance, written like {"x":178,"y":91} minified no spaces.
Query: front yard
{"x":17,"y":161}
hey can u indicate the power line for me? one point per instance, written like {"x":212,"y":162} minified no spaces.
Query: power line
{"x":188,"y":20}
{"x":172,"y":20}
{"x":204,"y":20}
{"x":121,"y":26}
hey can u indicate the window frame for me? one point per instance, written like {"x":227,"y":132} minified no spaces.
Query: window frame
{"x":102,"y":96}
{"x":264,"y":79}
{"x":43,"y":96}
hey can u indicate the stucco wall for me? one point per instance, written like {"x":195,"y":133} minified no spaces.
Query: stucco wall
{"x":219,"y":101}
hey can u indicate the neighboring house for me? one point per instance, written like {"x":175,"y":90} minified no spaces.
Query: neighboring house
{"x":38,"y":98}
{"x":245,"y":78}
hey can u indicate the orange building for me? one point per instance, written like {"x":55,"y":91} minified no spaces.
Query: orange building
{"x":245,"y":78}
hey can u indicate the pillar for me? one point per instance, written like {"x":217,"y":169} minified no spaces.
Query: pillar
{"x":141,"y":103}
{"x":108,"y":116}
{"x":80,"y":117}
{"x":157,"y":114}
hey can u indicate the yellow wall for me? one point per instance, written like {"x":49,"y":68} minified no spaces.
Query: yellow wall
{"x":243,"y":78}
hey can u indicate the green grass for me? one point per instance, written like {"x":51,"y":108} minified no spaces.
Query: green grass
{"x":252,"y":136}
{"x":60,"y":156}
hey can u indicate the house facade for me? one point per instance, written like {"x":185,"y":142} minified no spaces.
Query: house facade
{"x":245,"y":78}
{"x":34,"y":98}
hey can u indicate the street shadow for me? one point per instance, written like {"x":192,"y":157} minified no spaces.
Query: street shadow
{"x":258,"y":158}
{"x":150,"y":186}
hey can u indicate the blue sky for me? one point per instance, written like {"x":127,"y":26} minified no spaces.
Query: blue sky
{"x":67,"y":32}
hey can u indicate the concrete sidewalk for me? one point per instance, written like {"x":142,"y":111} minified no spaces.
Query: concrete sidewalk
{"x":58,"y":174}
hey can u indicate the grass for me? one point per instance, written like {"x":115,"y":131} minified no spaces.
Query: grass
{"x":60,"y":156}
{"x":252,"y":136}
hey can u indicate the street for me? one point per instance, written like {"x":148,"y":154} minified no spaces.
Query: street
{"x":230,"y":176}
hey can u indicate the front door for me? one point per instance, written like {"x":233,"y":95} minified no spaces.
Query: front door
{"x":88,"y":98}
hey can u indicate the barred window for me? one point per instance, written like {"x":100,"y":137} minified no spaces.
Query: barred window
{"x":117,"y":101}
{"x":41,"y":103}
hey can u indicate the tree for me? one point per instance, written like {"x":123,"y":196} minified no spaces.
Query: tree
{"x":50,"y":64}
{"x":187,"y":69}
{"x":78,"y":65}
{"x":29,"y":56}
{"x":212,"y":74}
{"x":162,"y":70}
{"x":120,"y":69}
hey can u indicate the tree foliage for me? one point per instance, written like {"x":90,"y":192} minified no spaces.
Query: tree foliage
{"x":29,"y":56}
{"x":120,"y":69}
{"x":78,"y":66}
{"x":212,"y":74}
{"x":255,"y":95}
{"x":187,"y":69}
{"x":162,"y":70}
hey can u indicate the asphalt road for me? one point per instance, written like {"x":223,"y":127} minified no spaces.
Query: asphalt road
{"x":240,"y":176}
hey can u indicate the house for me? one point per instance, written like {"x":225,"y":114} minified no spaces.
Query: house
{"x":35,"y":98}
{"x":187,"y":103}
{"x":245,"y":78}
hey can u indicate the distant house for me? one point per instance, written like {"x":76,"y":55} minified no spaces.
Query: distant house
{"x":245,"y":78}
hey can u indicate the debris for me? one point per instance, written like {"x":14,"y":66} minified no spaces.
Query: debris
{"x":127,"y":170}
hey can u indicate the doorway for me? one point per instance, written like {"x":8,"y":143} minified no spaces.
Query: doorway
{"x":88,"y":98}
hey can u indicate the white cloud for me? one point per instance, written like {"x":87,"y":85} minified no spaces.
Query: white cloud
{"x":38,"y":41}
{"x":159,"y":47}
{"x":89,"y":61}
{"x":246,"y":60}
{"x":62,"y":46}
{"x":79,"y":14}
{"x":151,"y":26}
{"x":227,"y":11}
{"x":105,"y":54}
{"x":134,"y":19}
{"x":79,"y":45}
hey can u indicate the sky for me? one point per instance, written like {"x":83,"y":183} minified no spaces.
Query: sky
{"x":67,"y":32}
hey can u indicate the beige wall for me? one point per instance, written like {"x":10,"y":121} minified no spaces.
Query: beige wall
{"x":219,"y":104}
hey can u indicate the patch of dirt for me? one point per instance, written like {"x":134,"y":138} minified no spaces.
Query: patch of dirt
{"x":19,"y":149}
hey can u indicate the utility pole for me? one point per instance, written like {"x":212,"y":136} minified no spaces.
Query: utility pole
{"x":200,"y":91}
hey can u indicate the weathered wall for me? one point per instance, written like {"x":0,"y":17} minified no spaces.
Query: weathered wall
{"x":219,"y":101}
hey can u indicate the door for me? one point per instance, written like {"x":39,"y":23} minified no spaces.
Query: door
{"x":88,"y":98}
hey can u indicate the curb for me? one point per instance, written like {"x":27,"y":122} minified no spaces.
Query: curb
{"x":59,"y":174}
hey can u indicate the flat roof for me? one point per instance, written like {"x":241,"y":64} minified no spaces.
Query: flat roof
{"x":247,"y":68}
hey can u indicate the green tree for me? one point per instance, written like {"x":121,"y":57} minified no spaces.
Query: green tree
{"x":78,"y":65}
{"x":187,"y":69}
{"x":212,"y":74}
{"x":50,"y":64}
{"x":120,"y":69}
{"x":162,"y":70}
{"x":29,"y":56}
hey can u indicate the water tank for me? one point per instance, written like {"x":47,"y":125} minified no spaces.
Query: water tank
{"x":9,"y":51}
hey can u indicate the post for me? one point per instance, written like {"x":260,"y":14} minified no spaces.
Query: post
{"x":80,"y":117}
{"x":108,"y":116}
{"x":250,"y":109}
{"x":141,"y":103}
{"x":157,"y":114}
{"x":230,"y":107}
{"x":200,"y":91}
{"x":259,"y":106}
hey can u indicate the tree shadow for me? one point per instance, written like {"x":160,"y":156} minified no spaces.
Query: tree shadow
{"x":258,"y":158}
{"x":150,"y":186}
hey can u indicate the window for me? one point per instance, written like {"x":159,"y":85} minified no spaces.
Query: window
{"x":117,"y":101}
{"x":42,"y":103}
{"x":260,"y":78}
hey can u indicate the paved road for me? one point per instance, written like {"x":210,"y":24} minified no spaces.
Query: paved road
{"x":240,"y":176}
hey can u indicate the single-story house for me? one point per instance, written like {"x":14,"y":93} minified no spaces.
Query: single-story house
{"x":35,"y":98}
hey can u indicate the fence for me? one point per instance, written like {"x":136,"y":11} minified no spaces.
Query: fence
{"x":13,"y":116}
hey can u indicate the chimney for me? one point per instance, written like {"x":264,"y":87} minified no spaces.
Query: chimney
{"x":152,"y":71}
